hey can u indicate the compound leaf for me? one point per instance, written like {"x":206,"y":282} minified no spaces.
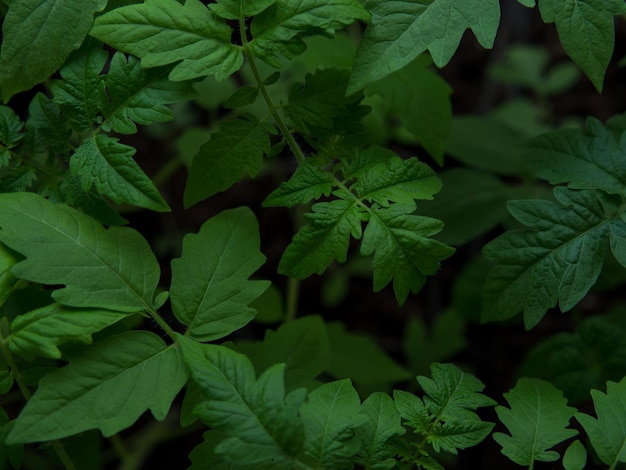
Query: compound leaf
{"x":108,"y":386}
{"x":278,"y":30}
{"x":10,"y":132}
{"x":107,"y":164}
{"x":138,"y":95}
{"x":164,"y":32}
{"x":559,"y":256}
{"x":210,"y":289}
{"x":608,"y":432}
{"x":113,"y":269}
{"x":308,"y":182}
{"x":330,"y":417}
{"x":586,"y":30}
{"x":41,"y":331}
{"x":537,"y":420}
{"x":237,"y":148}
{"x":401,"y":30}
{"x":260,"y":425}
{"x":30,"y":28}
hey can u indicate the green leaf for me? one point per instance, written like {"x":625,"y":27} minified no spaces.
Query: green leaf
{"x":260,"y":424}
{"x":10,"y":128}
{"x":30,"y":28}
{"x":7,"y":279}
{"x":210,"y":290}
{"x":330,"y":417}
{"x":237,"y":148}
{"x":139,"y":96}
{"x":575,"y":457}
{"x":46,"y":126}
{"x":302,"y":345}
{"x":105,"y":163}
{"x":559,"y":257}
{"x":583,"y":160}
{"x":108,"y":386}
{"x":41,"y":331}
{"x":403,"y":251}
{"x":236,"y":9}
{"x":537,"y":420}
{"x":90,"y":202}
{"x":113,"y":269}
{"x":527,"y":3}
{"x":163,"y":32}
{"x":587,"y":32}
{"x":446,"y":416}
{"x":399,"y":31}
{"x":277,"y":31}
{"x":376,"y":434}
{"x":608,"y":432}
{"x":308,"y":182}
{"x":242,"y":97}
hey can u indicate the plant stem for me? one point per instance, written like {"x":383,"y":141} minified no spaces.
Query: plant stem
{"x":162,"y":323}
{"x":293,"y":290}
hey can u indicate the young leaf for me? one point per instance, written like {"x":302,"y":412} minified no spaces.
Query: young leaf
{"x":608,"y":432}
{"x":29,"y":30}
{"x":210,"y":289}
{"x":537,"y":420}
{"x":163,"y":32}
{"x":588,"y":160}
{"x":138,"y":95}
{"x":377,"y":433}
{"x":237,"y":148}
{"x":108,"y":386}
{"x":399,"y":31}
{"x":112,"y":269}
{"x":446,"y":416}
{"x":401,"y":247}
{"x":10,"y":133}
{"x":235,"y":9}
{"x":242,"y":97}
{"x":559,"y":256}
{"x":277,"y":31}
{"x":587,"y":32}
{"x":41,"y":331}
{"x":105,"y":163}
{"x":260,"y":424}
{"x":575,"y":457}
{"x":308,"y":182}
{"x":331,"y":416}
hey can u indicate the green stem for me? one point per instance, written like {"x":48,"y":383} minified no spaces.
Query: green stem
{"x":293,"y":290}
{"x":162,"y":323}
{"x":17,"y":376}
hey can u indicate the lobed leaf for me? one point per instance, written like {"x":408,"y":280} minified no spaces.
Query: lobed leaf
{"x":210,"y":290}
{"x":10,"y":133}
{"x":108,"y":386}
{"x":308,"y":182}
{"x":607,"y":433}
{"x":46,"y":127}
{"x":105,"y":163}
{"x":277,"y":30}
{"x":41,"y":331}
{"x":236,"y":149}
{"x":559,"y":256}
{"x":537,"y":420}
{"x":401,"y":30}
{"x":164,"y":32}
{"x":29,"y":29}
{"x":112,"y":269}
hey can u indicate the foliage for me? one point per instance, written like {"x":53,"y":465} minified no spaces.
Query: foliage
{"x":101,"y":323}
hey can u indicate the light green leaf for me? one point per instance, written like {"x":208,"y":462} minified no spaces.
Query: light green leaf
{"x":139,"y":96}
{"x":108,"y":386}
{"x":537,"y":420}
{"x":575,"y":457}
{"x":401,"y":30}
{"x":527,"y":3}
{"x":403,"y":251}
{"x":608,"y":432}
{"x":261,"y":426}
{"x":586,"y":30}
{"x":30,"y":28}
{"x":236,"y":9}
{"x":41,"y":331}
{"x":376,"y":434}
{"x":330,"y":417}
{"x":164,"y":32}
{"x":584,"y":160}
{"x":113,"y":269}
{"x":210,"y":290}
{"x":237,"y":148}
{"x":308,"y":182}
{"x":277,"y":31}
{"x":105,"y":163}
{"x":559,"y":257}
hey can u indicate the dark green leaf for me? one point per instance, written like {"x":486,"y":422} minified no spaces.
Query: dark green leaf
{"x":46,"y":126}
{"x":307,"y":183}
{"x":10,"y":129}
{"x":236,"y":9}
{"x":242,"y":97}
